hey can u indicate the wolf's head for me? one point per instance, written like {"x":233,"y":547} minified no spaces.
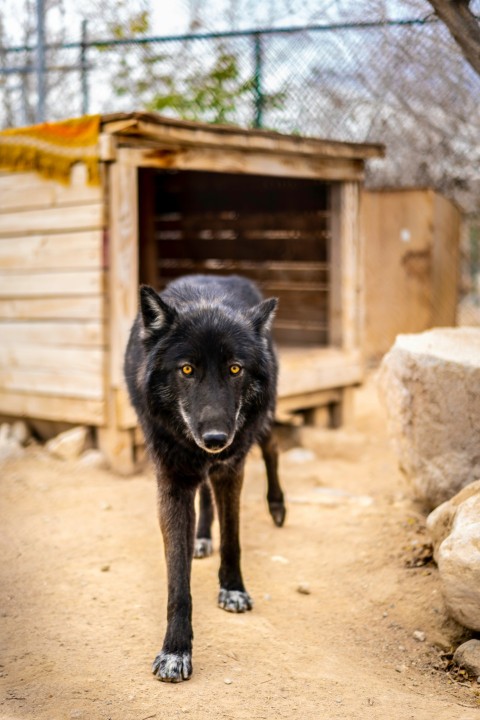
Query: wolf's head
{"x":210,"y":368}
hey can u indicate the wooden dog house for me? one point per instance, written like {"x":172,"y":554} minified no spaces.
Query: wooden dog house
{"x":176,"y":198}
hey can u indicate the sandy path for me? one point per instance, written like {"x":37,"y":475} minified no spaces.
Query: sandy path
{"x":83,"y":597}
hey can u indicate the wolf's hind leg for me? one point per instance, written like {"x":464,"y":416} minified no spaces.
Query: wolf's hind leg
{"x":203,"y":539}
{"x":276,"y":504}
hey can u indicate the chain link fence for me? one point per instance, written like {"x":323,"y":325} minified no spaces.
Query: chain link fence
{"x":403,"y":83}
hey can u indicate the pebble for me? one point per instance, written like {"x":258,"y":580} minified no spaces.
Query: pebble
{"x":304,"y":588}
{"x":419,"y":635}
{"x":401,"y":668}
{"x":228,"y":681}
{"x":280,"y":559}
{"x":105,"y":568}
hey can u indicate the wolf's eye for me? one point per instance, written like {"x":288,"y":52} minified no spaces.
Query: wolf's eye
{"x":235,"y":369}
{"x":187,"y":369}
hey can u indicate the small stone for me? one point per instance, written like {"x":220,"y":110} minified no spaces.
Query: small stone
{"x":419,"y":636}
{"x":228,"y":681}
{"x":267,"y":596}
{"x":69,"y":444}
{"x":304,"y":588}
{"x":467,"y":656}
{"x":105,"y":568}
{"x":400,"y":668}
{"x":93,"y":458}
{"x":299,"y":455}
{"x":280,"y":559}
{"x":20,"y":432}
{"x":9,"y":445}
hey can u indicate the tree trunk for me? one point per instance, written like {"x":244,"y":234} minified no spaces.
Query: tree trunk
{"x":463,"y":27}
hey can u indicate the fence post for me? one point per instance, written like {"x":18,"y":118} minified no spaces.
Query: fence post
{"x":40,"y":62}
{"x":257,"y":81}
{"x":84,"y":69}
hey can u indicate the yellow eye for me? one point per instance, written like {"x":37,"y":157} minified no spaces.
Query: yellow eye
{"x":187,"y":369}
{"x":235,"y":369}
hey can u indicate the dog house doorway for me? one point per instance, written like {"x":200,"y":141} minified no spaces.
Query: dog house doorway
{"x":274,"y":230}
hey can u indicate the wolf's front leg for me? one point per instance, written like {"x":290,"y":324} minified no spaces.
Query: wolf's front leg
{"x":177,"y":522}
{"x":227,"y":485}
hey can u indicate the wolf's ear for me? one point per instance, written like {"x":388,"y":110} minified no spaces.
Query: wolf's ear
{"x":262,"y":315}
{"x":156,"y":314}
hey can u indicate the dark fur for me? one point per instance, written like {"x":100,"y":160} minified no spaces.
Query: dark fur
{"x":199,"y":428}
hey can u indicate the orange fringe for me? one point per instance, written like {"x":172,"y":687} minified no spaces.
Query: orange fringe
{"x":44,"y":148}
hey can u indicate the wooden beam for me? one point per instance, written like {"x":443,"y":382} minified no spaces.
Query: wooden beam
{"x":74,"y":251}
{"x":50,"y":284}
{"x":310,"y":370}
{"x":123,"y":252}
{"x":57,"y":308}
{"x":168,"y":131}
{"x":52,"y":407}
{"x":347,"y":272}
{"x":253,"y":162}
{"x":63,"y":332}
{"x":21,"y":191}
{"x":51,"y":220}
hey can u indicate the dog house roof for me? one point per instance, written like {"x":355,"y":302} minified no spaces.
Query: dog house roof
{"x":169,"y":131}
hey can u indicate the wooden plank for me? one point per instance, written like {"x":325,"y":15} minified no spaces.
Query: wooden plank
{"x":61,"y":382}
{"x":253,"y":162}
{"x":346,"y":252}
{"x":304,"y":401}
{"x":445,"y":261}
{"x":51,"y":220}
{"x":80,"y":334}
{"x":123,"y":264}
{"x":19,"y":191}
{"x":244,"y":249}
{"x":66,"y":308}
{"x":88,"y":361}
{"x":171,"y":131}
{"x":52,"y":407}
{"x":80,"y":250}
{"x":50,"y":284}
{"x":305,"y":370}
{"x":397,"y":230}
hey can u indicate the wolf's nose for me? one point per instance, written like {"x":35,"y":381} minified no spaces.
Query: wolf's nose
{"x":215,"y":440}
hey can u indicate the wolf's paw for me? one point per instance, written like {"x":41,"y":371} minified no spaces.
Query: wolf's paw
{"x":172,"y":667}
{"x":203,"y":548}
{"x":278,"y":512}
{"x":236,"y":601}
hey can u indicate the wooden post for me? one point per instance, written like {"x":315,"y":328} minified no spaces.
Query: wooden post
{"x":117,"y":438}
{"x":346,"y":282}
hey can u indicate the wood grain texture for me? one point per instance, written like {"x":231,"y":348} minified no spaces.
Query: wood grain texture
{"x":65,"y":251}
{"x":52,"y":407}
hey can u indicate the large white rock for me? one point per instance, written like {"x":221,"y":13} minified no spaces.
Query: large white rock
{"x":430,"y":383}
{"x":455,"y":530}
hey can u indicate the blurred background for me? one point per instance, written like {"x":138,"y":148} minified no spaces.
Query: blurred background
{"x":351,"y":70}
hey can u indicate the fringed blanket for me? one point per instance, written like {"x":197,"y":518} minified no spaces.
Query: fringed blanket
{"x":52,"y":148}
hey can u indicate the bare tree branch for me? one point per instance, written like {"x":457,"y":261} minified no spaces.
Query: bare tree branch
{"x":463,"y":27}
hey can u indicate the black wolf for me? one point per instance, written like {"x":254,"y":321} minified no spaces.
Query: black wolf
{"x":201,"y":373}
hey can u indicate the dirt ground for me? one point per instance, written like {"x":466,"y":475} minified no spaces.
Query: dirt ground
{"x":83,"y":595}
